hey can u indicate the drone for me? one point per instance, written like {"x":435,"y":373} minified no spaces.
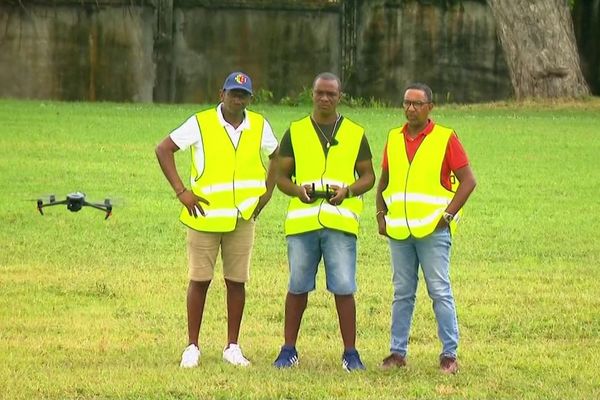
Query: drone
{"x":75,"y":201}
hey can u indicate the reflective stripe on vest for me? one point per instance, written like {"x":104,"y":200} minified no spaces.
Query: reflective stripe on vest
{"x":232,"y":179}
{"x":313,"y":167}
{"x":415,"y":197}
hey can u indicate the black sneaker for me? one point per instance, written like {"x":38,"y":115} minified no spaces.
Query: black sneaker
{"x":351,"y":361}
{"x":287,"y":358}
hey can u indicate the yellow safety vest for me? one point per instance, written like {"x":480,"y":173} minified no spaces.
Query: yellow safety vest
{"x":337,"y":168}
{"x":232,"y":179}
{"x":415,"y":197}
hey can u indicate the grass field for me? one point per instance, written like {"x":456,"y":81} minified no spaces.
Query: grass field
{"x":94,"y":309}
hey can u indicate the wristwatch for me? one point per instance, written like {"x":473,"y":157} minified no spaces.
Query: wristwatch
{"x":448,"y":217}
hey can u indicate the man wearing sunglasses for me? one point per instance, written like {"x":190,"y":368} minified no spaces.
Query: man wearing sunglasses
{"x":425,"y":181}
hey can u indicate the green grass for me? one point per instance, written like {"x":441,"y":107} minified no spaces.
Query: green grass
{"x":93,"y":309}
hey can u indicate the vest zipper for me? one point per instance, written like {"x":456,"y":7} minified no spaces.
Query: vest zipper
{"x":404,"y":194}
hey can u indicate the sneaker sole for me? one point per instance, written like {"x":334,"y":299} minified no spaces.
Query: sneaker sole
{"x":237,"y":364}
{"x":345,"y":366}
{"x":188,"y":366}
{"x":293,"y":364}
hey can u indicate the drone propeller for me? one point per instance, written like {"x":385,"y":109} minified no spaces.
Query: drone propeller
{"x":45,"y":198}
{"x":114,"y":200}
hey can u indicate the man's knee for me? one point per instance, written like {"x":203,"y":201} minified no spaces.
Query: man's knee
{"x":199,"y":285}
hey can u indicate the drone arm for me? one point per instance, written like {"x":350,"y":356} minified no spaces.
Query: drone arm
{"x":96,"y":206}
{"x":106,"y":207}
{"x":40,"y":204}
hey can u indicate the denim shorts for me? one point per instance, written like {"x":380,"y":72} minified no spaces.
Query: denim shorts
{"x":338,"y":250}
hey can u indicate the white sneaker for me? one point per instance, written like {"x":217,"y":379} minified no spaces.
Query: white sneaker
{"x":190,"y":356}
{"x":233,"y":355}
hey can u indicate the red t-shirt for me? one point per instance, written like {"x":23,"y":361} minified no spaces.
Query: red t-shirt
{"x":454,"y":159}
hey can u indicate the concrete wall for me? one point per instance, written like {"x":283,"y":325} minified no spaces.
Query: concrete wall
{"x":453,"y":49}
{"x":280,"y":50}
{"x":181,"y":50}
{"x":77,"y":53}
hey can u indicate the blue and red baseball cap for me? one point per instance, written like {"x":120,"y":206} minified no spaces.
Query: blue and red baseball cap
{"x":238,"y":80}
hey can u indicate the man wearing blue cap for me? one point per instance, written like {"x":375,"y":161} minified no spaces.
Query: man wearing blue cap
{"x":229,"y":186}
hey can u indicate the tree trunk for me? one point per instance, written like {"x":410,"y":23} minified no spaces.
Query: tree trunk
{"x":540,"y":49}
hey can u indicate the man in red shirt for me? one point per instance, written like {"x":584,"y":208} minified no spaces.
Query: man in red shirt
{"x":417,"y":209}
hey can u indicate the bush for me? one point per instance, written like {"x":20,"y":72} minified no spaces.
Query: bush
{"x":263,"y":96}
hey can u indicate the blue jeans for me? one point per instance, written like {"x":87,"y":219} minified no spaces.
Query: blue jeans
{"x":338,"y":250}
{"x":433,"y":254}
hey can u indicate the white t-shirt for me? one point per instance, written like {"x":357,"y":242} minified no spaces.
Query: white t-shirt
{"x":189,"y":134}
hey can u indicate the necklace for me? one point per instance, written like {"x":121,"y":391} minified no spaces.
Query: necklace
{"x":319,"y":130}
